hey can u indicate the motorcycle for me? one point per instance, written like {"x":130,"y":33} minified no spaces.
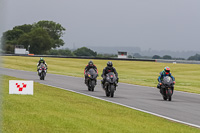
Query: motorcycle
{"x":110,"y":84}
{"x":42,"y":71}
{"x":91,"y":79}
{"x":167,"y":88}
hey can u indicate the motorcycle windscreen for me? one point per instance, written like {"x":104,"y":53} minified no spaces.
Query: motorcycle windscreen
{"x":167,"y":80}
{"x":92,"y":73}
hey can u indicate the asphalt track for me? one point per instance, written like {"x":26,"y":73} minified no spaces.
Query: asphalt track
{"x":184,"y":107}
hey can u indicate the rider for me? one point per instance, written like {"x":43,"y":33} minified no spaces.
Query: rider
{"x":108,"y":69}
{"x":165,"y":72}
{"x":41,"y":61}
{"x":87,"y":68}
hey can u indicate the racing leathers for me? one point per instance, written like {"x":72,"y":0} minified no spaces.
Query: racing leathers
{"x":162,"y":75}
{"x":39,"y":63}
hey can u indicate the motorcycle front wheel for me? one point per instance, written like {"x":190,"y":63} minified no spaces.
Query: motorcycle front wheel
{"x":169,"y":93}
{"x":112,"y":90}
{"x":107,"y":91}
{"x":92,"y":85}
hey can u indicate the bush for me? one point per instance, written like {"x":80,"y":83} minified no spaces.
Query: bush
{"x":156,"y":57}
{"x":64,"y":52}
{"x":167,"y":57}
{"x":83,"y":51}
{"x":195,"y":57}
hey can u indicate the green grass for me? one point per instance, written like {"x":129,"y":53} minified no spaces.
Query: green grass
{"x":53,"y":110}
{"x":133,"y":72}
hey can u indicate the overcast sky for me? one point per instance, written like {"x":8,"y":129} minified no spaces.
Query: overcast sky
{"x":156,"y":24}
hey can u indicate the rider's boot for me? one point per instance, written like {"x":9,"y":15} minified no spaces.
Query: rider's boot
{"x":102,"y":84}
{"x":158,"y":86}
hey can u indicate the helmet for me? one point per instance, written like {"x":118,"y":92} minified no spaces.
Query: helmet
{"x":167,"y":70}
{"x":109,"y":64}
{"x":41,"y":59}
{"x":90,"y":63}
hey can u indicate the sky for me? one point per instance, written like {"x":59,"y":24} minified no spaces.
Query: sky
{"x":148,"y":24}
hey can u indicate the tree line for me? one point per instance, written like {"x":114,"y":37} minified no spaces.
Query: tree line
{"x":83,"y":51}
{"x":195,"y":57}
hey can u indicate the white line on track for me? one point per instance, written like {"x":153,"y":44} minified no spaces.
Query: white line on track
{"x":190,"y":124}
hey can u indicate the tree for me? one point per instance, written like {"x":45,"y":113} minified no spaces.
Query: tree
{"x":54,"y":30}
{"x":167,"y":57}
{"x":156,"y":57}
{"x":25,"y":40}
{"x":195,"y":57}
{"x":130,"y":56}
{"x":26,"y":35}
{"x":11,"y":37}
{"x":26,"y":28}
{"x":137,"y":55}
{"x":9,"y":48}
{"x":38,"y":40}
{"x":84,"y":52}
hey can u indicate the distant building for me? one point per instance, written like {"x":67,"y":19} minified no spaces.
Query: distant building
{"x":122,"y":54}
{"x":19,"y":49}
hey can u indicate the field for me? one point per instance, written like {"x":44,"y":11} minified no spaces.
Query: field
{"x":132,"y":72}
{"x":55,"y":110}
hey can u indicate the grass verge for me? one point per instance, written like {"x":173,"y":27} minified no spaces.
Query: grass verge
{"x":55,"y":110}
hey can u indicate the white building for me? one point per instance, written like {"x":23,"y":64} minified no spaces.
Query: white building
{"x":19,"y":49}
{"x":122,"y":54}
